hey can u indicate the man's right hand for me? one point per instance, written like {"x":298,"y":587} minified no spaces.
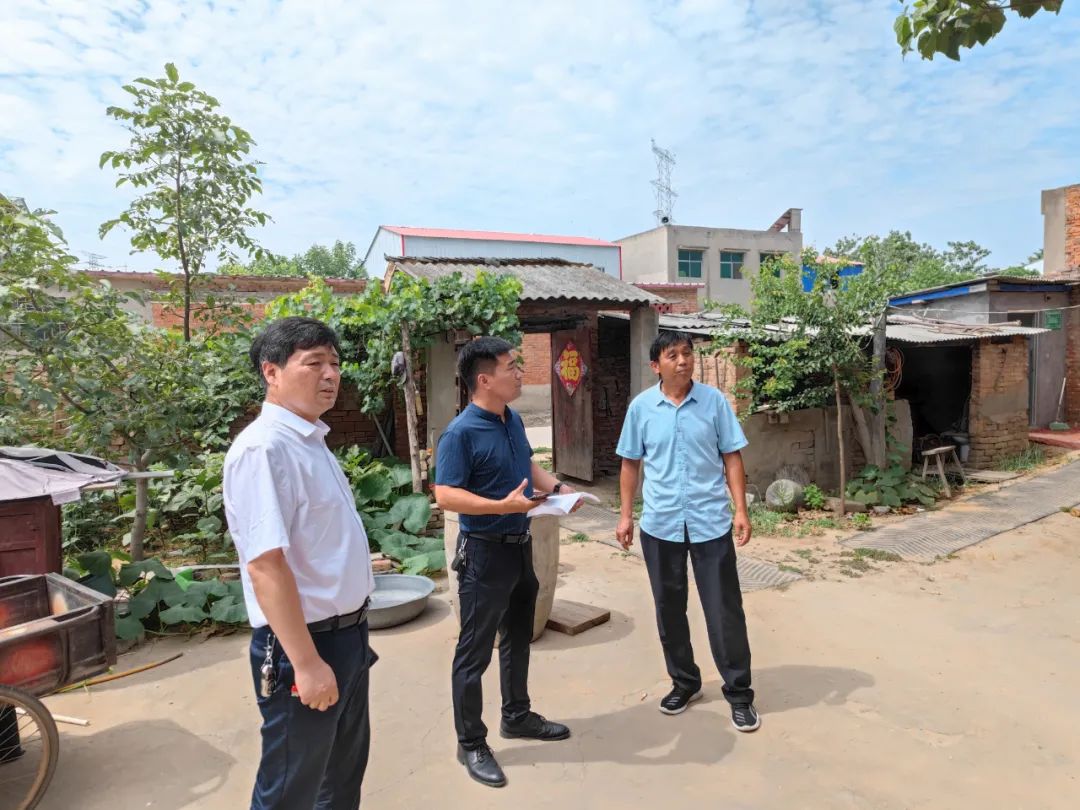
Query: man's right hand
{"x":516,"y":501}
{"x":316,"y":685}
{"x":624,"y":533}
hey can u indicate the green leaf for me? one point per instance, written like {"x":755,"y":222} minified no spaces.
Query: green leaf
{"x":102,"y":583}
{"x":172,"y":72}
{"x":128,"y":628}
{"x":401,"y":475}
{"x":428,"y":562}
{"x":167,"y":591}
{"x":412,"y":512}
{"x":229,"y":610}
{"x":98,"y":563}
{"x":372,"y":486}
{"x":183,"y":614}
{"x":132,"y":572}
{"x":142,"y":605}
{"x":210,"y":526}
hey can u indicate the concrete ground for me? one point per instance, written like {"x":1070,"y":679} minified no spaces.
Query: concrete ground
{"x":951,"y":685}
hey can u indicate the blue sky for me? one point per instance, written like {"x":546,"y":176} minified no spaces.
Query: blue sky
{"x":537,"y":116}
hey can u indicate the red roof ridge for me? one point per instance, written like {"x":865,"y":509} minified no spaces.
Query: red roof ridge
{"x":496,"y":236}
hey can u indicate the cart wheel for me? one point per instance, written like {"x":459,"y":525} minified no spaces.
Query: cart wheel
{"x":29,"y":746}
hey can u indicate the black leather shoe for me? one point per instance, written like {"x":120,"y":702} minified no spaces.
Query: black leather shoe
{"x":481,"y":765}
{"x":534,"y":727}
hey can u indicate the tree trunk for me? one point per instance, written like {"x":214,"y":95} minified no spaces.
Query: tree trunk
{"x":840,"y":441}
{"x":410,"y":412}
{"x":877,"y":454}
{"x":142,"y":506}
{"x":187,"y":306}
{"x":863,"y":432}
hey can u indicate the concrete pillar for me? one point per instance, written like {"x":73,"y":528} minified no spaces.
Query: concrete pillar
{"x":644,"y":326}
{"x":442,"y":390}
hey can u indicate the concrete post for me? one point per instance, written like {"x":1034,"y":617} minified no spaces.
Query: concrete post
{"x":442,"y":392}
{"x":644,"y":326}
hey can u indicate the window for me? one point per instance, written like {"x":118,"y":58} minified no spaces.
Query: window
{"x":770,"y":262}
{"x":731,"y":264}
{"x":690,"y":263}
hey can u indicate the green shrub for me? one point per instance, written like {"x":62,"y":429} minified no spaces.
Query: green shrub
{"x":813,"y":497}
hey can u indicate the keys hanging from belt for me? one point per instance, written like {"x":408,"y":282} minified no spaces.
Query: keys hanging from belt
{"x":267,"y":679}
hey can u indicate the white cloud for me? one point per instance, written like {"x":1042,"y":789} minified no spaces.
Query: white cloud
{"x":537,"y":117}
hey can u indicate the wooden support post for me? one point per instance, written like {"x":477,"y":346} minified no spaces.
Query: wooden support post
{"x":410,"y":411}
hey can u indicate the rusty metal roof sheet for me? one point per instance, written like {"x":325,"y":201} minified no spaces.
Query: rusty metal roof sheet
{"x":541,"y":279}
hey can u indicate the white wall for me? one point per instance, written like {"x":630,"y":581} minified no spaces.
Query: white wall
{"x":384,"y":244}
{"x":654,"y":256}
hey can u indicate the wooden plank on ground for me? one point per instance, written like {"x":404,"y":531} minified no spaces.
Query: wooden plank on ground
{"x":572,"y":618}
{"x":990,"y":476}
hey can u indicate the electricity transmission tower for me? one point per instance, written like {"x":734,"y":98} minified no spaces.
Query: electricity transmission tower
{"x":665,"y":194}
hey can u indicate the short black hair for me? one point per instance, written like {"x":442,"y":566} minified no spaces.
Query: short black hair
{"x":281,"y":338}
{"x":665,"y":340}
{"x":479,"y":356}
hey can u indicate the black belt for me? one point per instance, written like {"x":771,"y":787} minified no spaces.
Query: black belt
{"x":511,"y":539}
{"x":341,"y":622}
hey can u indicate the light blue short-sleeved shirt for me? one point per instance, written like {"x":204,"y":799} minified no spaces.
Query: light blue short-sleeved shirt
{"x":682,"y":450}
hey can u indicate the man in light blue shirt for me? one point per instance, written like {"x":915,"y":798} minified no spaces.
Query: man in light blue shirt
{"x":687,"y":437}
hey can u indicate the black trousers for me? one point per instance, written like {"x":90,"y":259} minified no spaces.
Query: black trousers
{"x":721,"y":600}
{"x":497,"y":595}
{"x":312,"y":759}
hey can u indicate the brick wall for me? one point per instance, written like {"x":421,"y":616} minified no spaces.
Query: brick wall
{"x":678,"y":298}
{"x":349,"y":425}
{"x":721,"y":371}
{"x":168,"y":317}
{"x":1072,"y":233}
{"x":1072,"y":359}
{"x":611,"y":393}
{"x":998,"y":412}
{"x":536,"y":353}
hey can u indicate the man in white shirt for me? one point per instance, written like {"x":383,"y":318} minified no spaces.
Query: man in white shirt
{"x":306,"y":572}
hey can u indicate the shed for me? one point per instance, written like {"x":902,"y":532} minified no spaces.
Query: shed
{"x":595,"y":374}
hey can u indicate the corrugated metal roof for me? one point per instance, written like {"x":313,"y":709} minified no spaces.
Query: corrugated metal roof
{"x":905,"y":329}
{"x":497,"y":236}
{"x":899,"y":328}
{"x":541,"y":279}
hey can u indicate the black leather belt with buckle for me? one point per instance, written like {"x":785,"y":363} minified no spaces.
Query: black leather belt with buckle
{"x":341,"y":622}
{"x":512,"y":539}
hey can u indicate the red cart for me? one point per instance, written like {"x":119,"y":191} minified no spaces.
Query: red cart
{"x":53,"y":632}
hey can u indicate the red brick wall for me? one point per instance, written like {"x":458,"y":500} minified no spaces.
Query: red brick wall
{"x":167,"y":317}
{"x":1072,"y":359}
{"x":1072,"y":233}
{"x":998,"y":412}
{"x":536,"y":353}
{"x":720,"y":371}
{"x":349,"y":425}
{"x":681,"y":300}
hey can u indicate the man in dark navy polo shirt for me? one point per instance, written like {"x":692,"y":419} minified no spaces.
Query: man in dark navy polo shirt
{"x":484,"y":471}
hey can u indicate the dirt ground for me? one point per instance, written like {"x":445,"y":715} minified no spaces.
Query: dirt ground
{"x":950,"y":685}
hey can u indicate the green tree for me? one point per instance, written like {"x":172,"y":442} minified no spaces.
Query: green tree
{"x":945,"y":26}
{"x":337,"y":261}
{"x":85,"y":373}
{"x":191,"y":165}
{"x":807,"y":347}
{"x":377,"y":324}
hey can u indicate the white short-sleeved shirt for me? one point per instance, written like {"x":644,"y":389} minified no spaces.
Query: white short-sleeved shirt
{"x":284,"y":489}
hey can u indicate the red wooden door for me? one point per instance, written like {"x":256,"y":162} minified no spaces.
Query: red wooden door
{"x":29,"y":537}
{"x":571,"y":403}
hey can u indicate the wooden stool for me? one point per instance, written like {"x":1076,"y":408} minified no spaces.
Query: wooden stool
{"x":948,"y":451}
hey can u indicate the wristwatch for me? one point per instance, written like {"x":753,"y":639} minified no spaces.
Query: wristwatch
{"x":555,"y":489}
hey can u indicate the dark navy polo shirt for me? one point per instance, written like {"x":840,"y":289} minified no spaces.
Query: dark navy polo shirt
{"x":488,"y":456}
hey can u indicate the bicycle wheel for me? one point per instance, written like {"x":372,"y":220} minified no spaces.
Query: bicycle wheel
{"x":29,"y":746}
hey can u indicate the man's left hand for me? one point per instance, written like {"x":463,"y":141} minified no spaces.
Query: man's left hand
{"x":740,"y":528}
